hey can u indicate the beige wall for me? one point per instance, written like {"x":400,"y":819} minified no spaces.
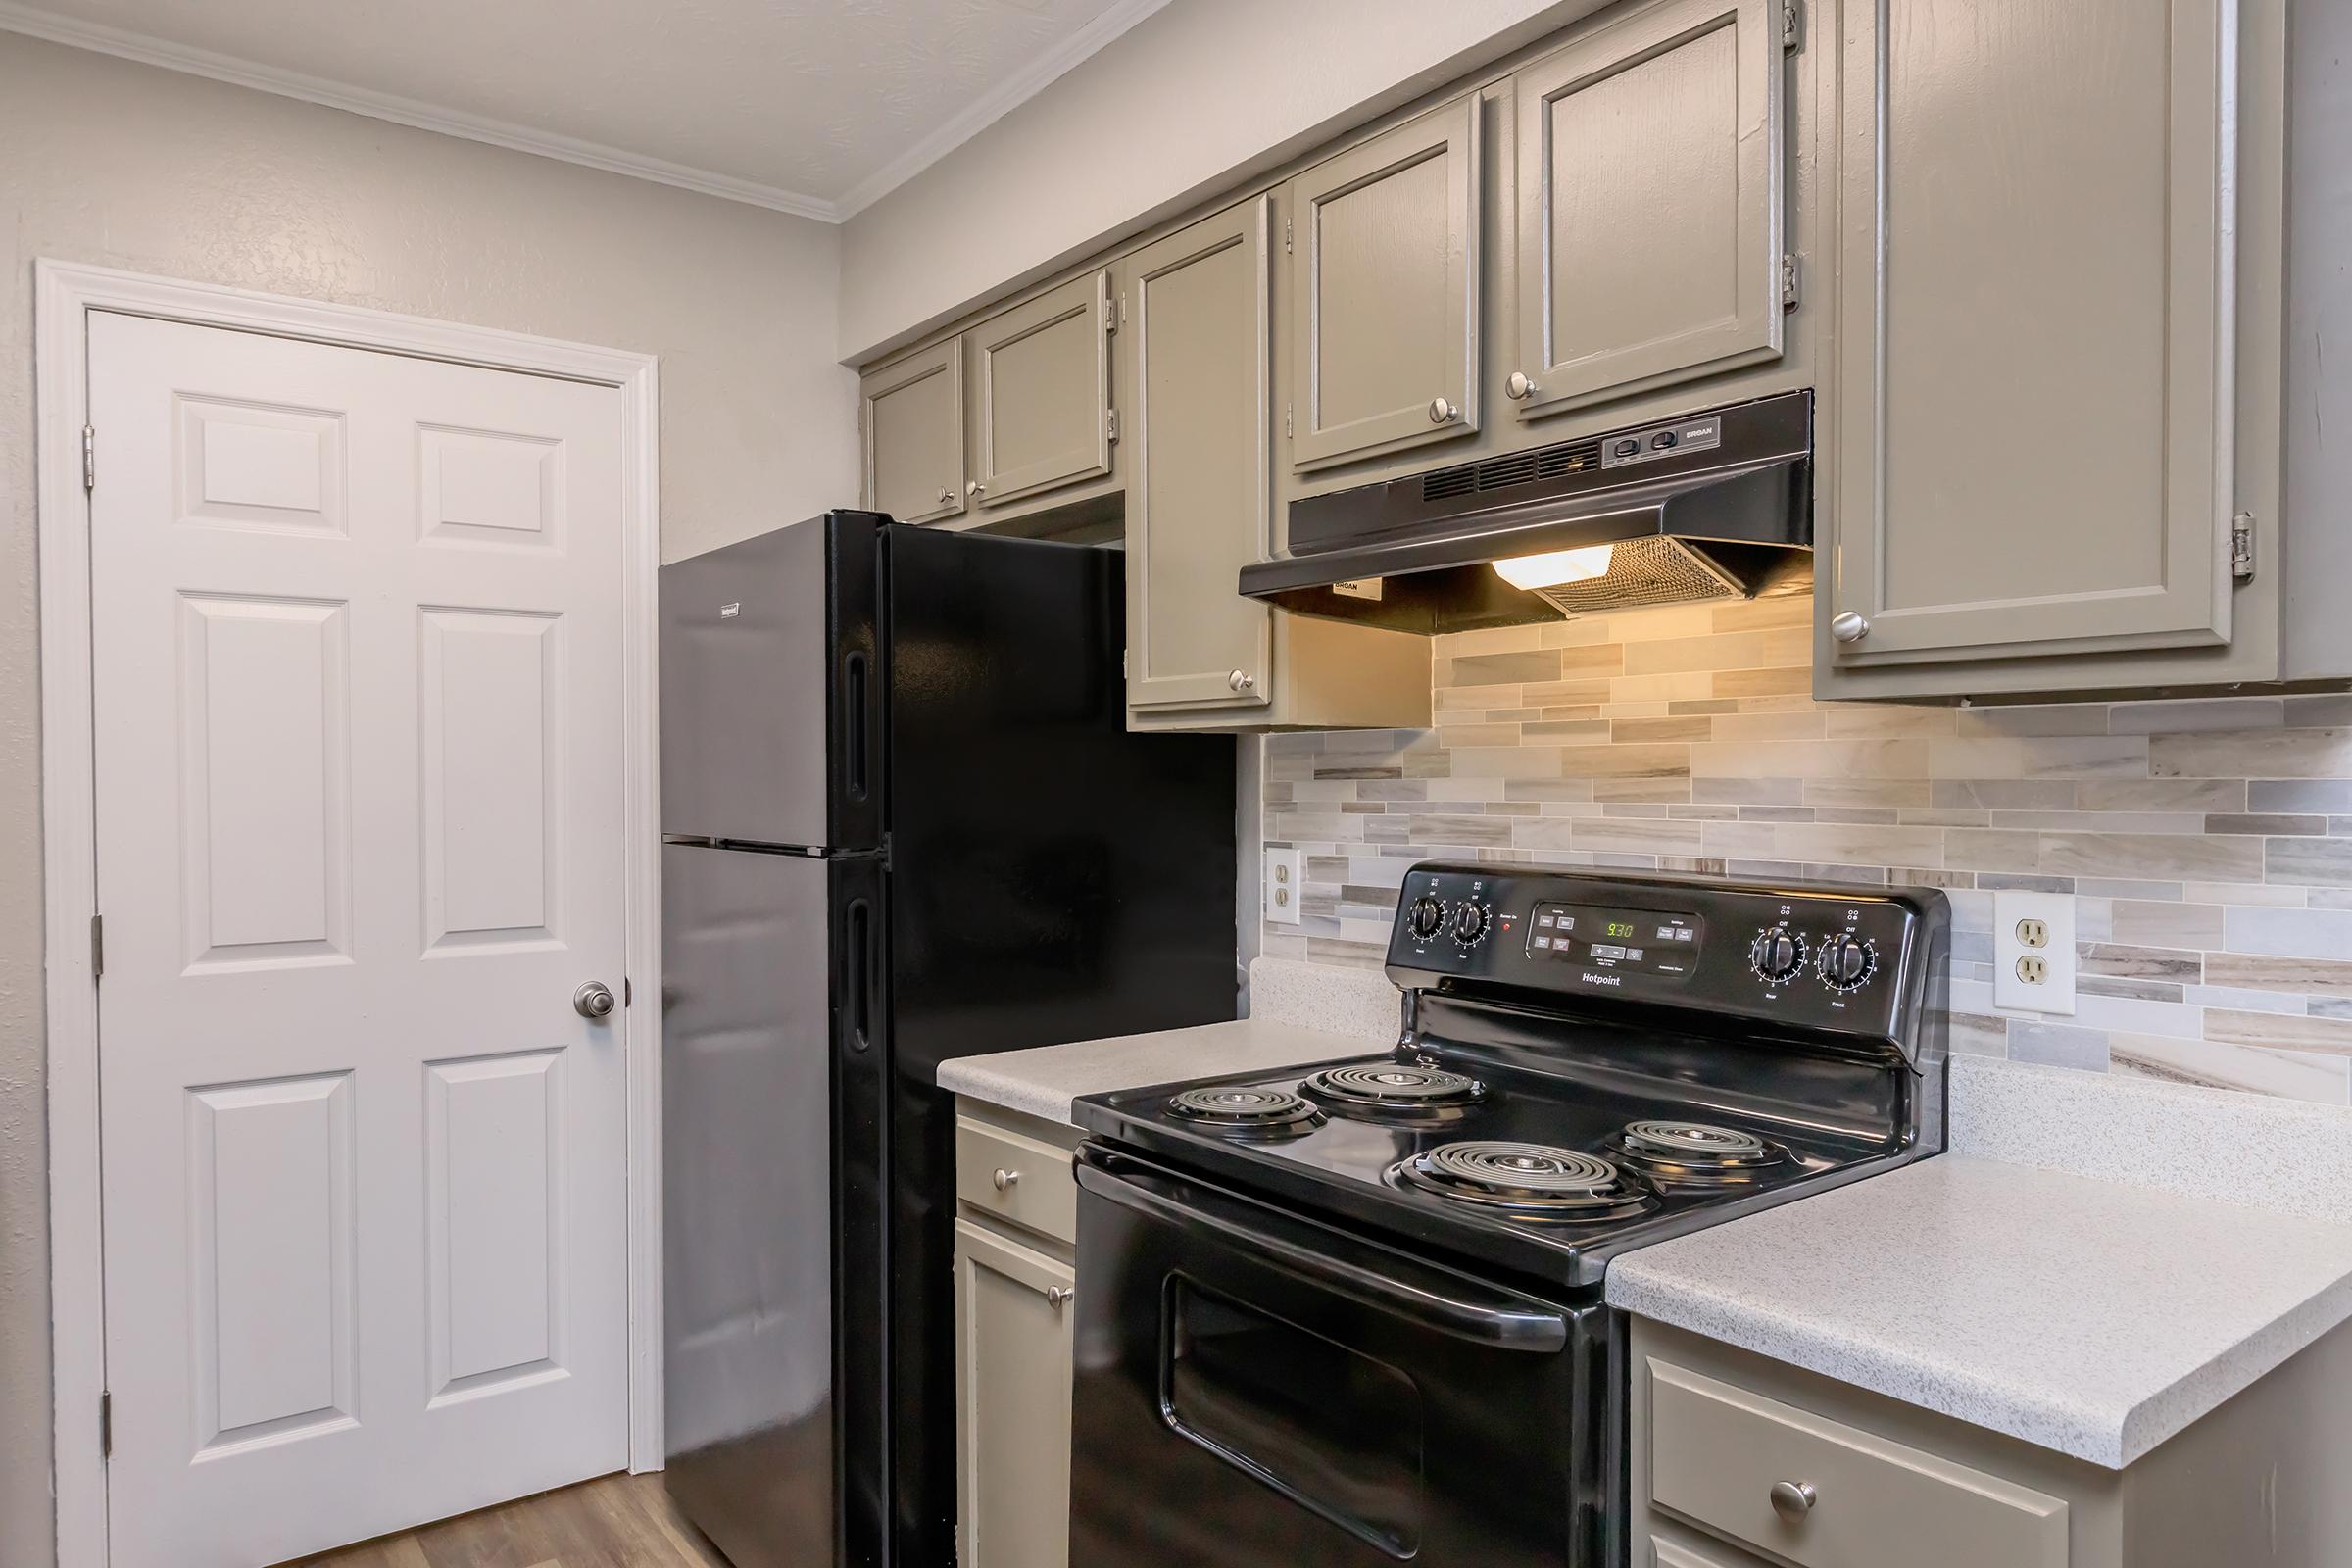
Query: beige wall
{"x":107,"y":162}
{"x":1195,"y":99}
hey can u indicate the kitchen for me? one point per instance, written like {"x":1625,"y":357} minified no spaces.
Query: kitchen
{"x":1666,"y":930}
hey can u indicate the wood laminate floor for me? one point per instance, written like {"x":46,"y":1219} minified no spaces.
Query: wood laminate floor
{"x":620,"y":1521}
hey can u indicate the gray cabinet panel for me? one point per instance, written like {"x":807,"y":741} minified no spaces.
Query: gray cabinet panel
{"x":1650,"y":203}
{"x":1385,"y":272}
{"x":1199,"y":478}
{"x":2031,"y":444}
{"x":911,"y":418}
{"x":1014,"y":1359}
{"x":1040,"y":394}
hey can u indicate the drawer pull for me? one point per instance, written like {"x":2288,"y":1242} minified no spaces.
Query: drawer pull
{"x":1792,"y":1499}
{"x":1003,"y":1180}
{"x":1059,"y":1297}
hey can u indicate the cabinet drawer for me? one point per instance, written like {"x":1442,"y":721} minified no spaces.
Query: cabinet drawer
{"x":1022,"y":1179}
{"x":1717,"y":1452}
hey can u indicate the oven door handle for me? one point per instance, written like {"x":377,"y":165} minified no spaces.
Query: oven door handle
{"x":1394,"y":1285}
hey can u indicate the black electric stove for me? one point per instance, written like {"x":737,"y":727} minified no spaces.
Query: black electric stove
{"x":1354,"y":1310}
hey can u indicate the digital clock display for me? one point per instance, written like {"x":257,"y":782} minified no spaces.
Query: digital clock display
{"x":1606,"y":943}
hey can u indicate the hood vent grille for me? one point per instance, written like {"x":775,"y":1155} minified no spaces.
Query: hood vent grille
{"x":1511,"y":469}
{"x":1644,"y":573}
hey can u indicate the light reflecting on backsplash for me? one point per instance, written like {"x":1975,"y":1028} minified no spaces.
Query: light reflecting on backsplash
{"x":2208,"y":842}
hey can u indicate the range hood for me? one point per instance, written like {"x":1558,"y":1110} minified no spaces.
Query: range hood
{"x":1716,"y":504}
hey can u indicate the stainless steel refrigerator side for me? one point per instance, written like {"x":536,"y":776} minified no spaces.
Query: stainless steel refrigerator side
{"x":748,"y":1225}
{"x":746,"y":669}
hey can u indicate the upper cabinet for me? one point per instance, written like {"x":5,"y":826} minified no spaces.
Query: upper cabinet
{"x":1649,"y":192}
{"x":911,"y":425}
{"x":2057,"y":375}
{"x":1384,"y":257}
{"x":1040,"y":395}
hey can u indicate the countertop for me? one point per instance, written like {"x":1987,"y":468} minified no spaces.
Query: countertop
{"x":1045,"y":1080}
{"x":2093,"y":1317}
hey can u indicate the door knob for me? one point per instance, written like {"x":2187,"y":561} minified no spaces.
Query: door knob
{"x":1441,"y":412}
{"x":594,"y":999}
{"x":1518,"y":387}
{"x":1240,"y":680}
{"x":1848,"y":627}
{"x":1792,"y":1499}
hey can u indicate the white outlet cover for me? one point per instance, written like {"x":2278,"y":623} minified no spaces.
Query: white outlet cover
{"x":1282,"y":886}
{"x":2056,"y":995}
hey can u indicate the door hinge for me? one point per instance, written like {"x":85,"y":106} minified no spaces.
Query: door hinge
{"x":1793,"y":23}
{"x":2241,"y":547}
{"x":106,"y":1425}
{"x":629,"y":991}
{"x":1286,"y":236}
{"x":97,"y":945}
{"x":1110,"y":313}
{"x":1287,"y":432}
{"x":90,"y":458}
{"x":1110,"y":424}
{"x":1788,"y":282}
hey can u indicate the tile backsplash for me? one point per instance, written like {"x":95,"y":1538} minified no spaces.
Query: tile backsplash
{"x":2208,"y":842}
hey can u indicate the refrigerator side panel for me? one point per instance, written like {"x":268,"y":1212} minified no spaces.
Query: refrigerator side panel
{"x":761,"y":642}
{"x":747,"y":1184}
{"x":1053,"y":877}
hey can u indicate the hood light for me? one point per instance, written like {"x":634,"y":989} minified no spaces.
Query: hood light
{"x":1557,"y":566}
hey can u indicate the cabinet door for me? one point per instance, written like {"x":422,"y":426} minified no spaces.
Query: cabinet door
{"x":1384,"y":253}
{"x":911,"y":414}
{"x":1013,"y":1394}
{"x":1650,"y":203}
{"x":1198,"y":480}
{"x":1040,"y":394}
{"x":2032,"y":443}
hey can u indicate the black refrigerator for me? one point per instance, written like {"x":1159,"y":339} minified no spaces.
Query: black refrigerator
{"x":903,"y":821}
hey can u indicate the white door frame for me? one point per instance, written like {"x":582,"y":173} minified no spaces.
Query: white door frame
{"x":64,"y":293}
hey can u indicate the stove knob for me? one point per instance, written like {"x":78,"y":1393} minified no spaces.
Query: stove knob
{"x":1777,"y":954}
{"x":1424,"y":916}
{"x":1469,"y":923}
{"x":1847,"y":963}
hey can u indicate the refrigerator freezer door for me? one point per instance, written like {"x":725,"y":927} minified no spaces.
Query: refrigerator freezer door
{"x":748,"y":1198}
{"x":771,"y":693}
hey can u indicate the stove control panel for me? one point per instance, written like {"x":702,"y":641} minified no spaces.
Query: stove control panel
{"x":1840,"y":959}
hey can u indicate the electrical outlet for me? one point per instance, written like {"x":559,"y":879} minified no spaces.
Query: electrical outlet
{"x":2034,"y":950}
{"x":1282,"y":886}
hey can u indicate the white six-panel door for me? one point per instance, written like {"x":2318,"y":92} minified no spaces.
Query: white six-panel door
{"x":356,"y":674}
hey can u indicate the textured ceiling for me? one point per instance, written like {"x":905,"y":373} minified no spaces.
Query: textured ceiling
{"x":825,"y":101}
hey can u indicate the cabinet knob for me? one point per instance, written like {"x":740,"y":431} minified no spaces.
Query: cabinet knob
{"x":1792,"y":1499}
{"x":1441,"y":411}
{"x":1003,"y":1180}
{"x":1059,"y":1297}
{"x":1848,"y":627}
{"x":1240,"y":680}
{"x":947,"y":493}
{"x":975,"y":488}
{"x":1518,"y":387}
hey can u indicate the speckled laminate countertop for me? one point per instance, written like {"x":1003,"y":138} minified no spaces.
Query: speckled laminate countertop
{"x":2093,"y":1317}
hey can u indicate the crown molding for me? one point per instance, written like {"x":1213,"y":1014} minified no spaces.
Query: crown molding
{"x":999,"y":101}
{"x":126,"y":45}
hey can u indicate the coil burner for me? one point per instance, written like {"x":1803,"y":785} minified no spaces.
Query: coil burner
{"x":1695,"y":1154}
{"x":1394,"y":1090}
{"x":1526,"y":1181}
{"x":1246,"y":1112}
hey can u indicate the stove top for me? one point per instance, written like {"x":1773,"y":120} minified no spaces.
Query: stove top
{"x":1550,"y":1104}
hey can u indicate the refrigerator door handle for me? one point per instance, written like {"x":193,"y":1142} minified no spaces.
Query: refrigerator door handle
{"x":857,"y":738}
{"x":860,"y":982}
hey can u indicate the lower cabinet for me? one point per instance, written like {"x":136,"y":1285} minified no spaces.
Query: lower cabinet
{"x":1017,"y":1284}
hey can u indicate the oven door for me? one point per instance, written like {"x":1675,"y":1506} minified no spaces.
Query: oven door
{"x":1255,"y":1390}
